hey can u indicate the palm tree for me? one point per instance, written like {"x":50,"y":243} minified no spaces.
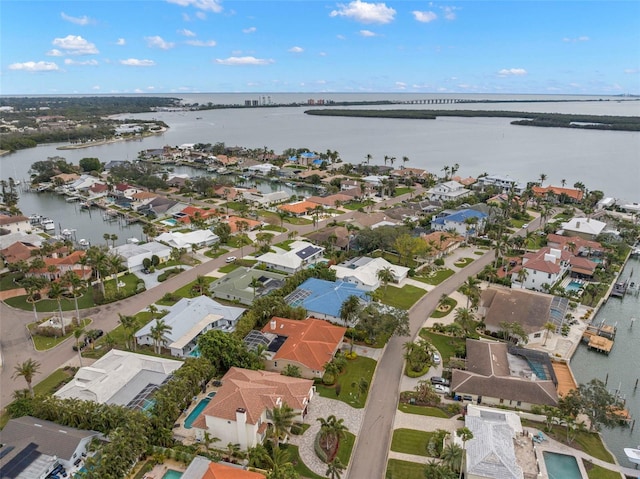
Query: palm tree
{"x":27,"y":369}
{"x":471,"y":289}
{"x":385,"y":276}
{"x":201,"y":285}
{"x":56,"y":292}
{"x":281,"y":421}
{"x":451,"y":456}
{"x":158,"y":332}
{"x":98,"y":259}
{"x":542,"y":177}
{"x":522,"y":276}
{"x":335,"y":469}
{"x":405,"y":159}
{"x":106,"y":237}
{"x":464,"y":317}
{"x":332,"y":430}
{"x":77,"y":333}
{"x":548,"y":328}
{"x":113,"y":239}
{"x":33,"y":285}
{"x":465,"y":434}
{"x":150,"y":231}
{"x":76,"y":285}
{"x":128,"y":324}
{"x":255,"y":284}
{"x":115,"y":264}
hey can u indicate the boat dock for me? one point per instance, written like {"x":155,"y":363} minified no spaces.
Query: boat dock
{"x":600,"y":338}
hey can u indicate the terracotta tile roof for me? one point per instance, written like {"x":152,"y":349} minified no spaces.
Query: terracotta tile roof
{"x":144,"y":195}
{"x":16,"y":252}
{"x":565,"y":242}
{"x":570,"y":192}
{"x":227,"y":192}
{"x":299,"y":208}
{"x":441,"y":241}
{"x":9,"y":220}
{"x":98,"y":188}
{"x":255,"y":391}
{"x":232,"y":221}
{"x":330,"y":200}
{"x":310,"y":342}
{"x":222,"y":471}
{"x":464,"y":181}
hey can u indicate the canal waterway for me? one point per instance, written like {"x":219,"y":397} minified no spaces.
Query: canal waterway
{"x":621,"y":368}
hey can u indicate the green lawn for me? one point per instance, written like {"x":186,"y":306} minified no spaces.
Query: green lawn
{"x":411,"y":441}
{"x":479,"y":253}
{"x":276,"y":228}
{"x":228,"y":268}
{"x":393,"y":258}
{"x":215,"y":253}
{"x":285,"y":245}
{"x":346,"y":447}
{"x":403,"y":190}
{"x":397,"y":469}
{"x":49,"y":305}
{"x":294,"y":220}
{"x":118,"y":335}
{"x":597,"y":472}
{"x":360,"y":367}
{"x":50,"y":384}
{"x":300,"y":467}
{"x":187,"y":292}
{"x":422,"y":410}
{"x":446,"y":345}
{"x":452,"y":303}
{"x":462,"y":262}
{"x":355,"y":205}
{"x":6,"y":281}
{"x":435,"y":278}
{"x":42,"y":343}
{"x":402,"y":298}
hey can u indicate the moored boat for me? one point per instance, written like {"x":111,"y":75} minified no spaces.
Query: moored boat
{"x":633,"y":454}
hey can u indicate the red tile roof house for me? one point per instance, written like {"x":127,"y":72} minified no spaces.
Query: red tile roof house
{"x":239,"y":413}
{"x":309,"y":344}
{"x":62,"y":265}
{"x":572,"y":195}
{"x":544,"y":268}
{"x":202,"y":468}
{"x":17,"y":252}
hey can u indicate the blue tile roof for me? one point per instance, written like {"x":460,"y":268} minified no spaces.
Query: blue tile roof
{"x":462,"y":215}
{"x":326,"y":297}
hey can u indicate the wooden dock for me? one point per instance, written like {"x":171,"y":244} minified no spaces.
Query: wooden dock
{"x":598,"y":343}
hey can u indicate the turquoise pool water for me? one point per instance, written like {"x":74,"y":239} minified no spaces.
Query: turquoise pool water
{"x":171,"y":474}
{"x":561,"y":466}
{"x":193,"y":415}
{"x":169,"y":222}
{"x":573,"y":286}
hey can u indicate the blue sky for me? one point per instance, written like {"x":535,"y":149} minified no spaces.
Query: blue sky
{"x":180,"y":46}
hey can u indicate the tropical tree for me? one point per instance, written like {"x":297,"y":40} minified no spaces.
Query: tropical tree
{"x":465,"y":318}
{"x":76,"y":286}
{"x":465,"y":434}
{"x":335,"y":469}
{"x":128,"y":325}
{"x":255,"y":283}
{"x":150,"y":231}
{"x":332,"y":430}
{"x":281,"y":422}
{"x":27,"y":369}
{"x":77,"y":334}
{"x":522,"y":276}
{"x":549,"y":327}
{"x":56,"y":292}
{"x":99,"y":261}
{"x":158,"y":332}
{"x":543,"y":178}
{"x":201,"y":286}
{"x":471,"y":289}
{"x":452,"y":456}
{"x":385,"y":276}
{"x":33,"y":285}
{"x":292,"y":370}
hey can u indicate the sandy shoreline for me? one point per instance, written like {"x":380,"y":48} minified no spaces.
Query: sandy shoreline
{"x":108,"y":142}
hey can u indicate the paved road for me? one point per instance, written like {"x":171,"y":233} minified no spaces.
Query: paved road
{"x":374,"y":439}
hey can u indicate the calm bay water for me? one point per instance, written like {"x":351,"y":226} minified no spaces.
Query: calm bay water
{"x":622,"y":365}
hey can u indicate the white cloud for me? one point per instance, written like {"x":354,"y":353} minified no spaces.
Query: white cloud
{"x":512,"y":72}
{"x":631,"y":71}
{"x":449,"y":12}
{"x":295,"y":50}
{"x":69,"y":61}
{"x":84,"y":20}
{"x":243,"y":61}
{"x":134,"y":62}
{"x":34,"y":66}
{"x":577,"y":39}
{"x":121,"y":42}
{"x":367,"y":33}
{"x":323,"y":54}
{"x":208,"y":5}
{"x":249,"y":30}
{"x":201,"y":43}
{"x":341,"y":37}
{"x":157,"y":42}
{"x":401,"y":85}
{"x":96,"y":87}
{"x":55,"y":53}
{"x":75,"y":45}
{"x":186,"y":33}
{"x":201,"y":15}
{"x":424,"y":17}
{"x":365,"y":12}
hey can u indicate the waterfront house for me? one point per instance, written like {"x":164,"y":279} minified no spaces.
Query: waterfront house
{"x":417,"y":174}
{"x":249,"y":225}
{"x":466,"y":222}
{"x":35,"y":448}
{"x":56,"y":267}
{"x":577,"y":245}
{"x":202,"y":468}
{"x":447,"y":191}
{"x":135,"y":254}
{"x":197,"y":238}
{"x":301,"y":255}
{"x":300,"y":208}
{"x":82,"y":184}
{"x":529,"y":309}
{"x":323,"y":299}
{"x":240,"y":412}
{"x":160,"y":206}
{"x":16,"y":252}
{"x":363,"y":272}
{"x":15,"y":224}
{"x":308,"y":344}
{"x":120,"y":378}
{"x":560,"y":194}
{"x":263,"y":168}
{"x":543,"y":269}
{"x":244,"y":285}
{"x":585,"y":228}
{"x":188,"y":319}
{"x":264,"y":200}
{"x":97,"y":190}
{"x":501,"y":183}
{"x":30,"y":239}
{"x":500,"y":375}
{"x":331,"y":201}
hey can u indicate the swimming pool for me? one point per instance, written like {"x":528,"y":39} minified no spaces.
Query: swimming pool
{"x":573,"y":286}
{"x":169,"y":222}
{"x":193,"y":415}
{"x":171,"y":474}
{"x":561,"y":466}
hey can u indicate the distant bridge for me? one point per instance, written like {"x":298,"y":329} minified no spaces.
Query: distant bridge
{"x":434,"y":101}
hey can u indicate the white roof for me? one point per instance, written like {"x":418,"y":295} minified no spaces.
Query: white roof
{"x":365,"y":270}
{"x":185,"y":240}
{"x":22,"y":237}
{"x":584,"y":225}
{"x":131,"y":250}
{"x":111,"y":374}
{"x":292,"y":259}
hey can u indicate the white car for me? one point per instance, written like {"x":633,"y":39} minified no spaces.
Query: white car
{"x":436,"y":358}
{"x":525,"y":226}
{"x":230,"y":259}
{"x":440,"y":389}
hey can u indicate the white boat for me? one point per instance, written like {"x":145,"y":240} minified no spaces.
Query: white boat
{"x":633,"y":454}
{"x":84,"y":243}
{"x":47,"y":224}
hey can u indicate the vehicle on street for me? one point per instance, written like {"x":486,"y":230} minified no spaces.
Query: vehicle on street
{"x":230,"y":259}
{"x":436,"y":358}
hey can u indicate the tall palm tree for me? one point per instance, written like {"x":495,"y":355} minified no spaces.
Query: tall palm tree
{"x":158,"y":332}
{"x":465,"y":318}
{"x":522,"y":276}
{"x":281,"y":421}
{"x":27,"y":369}
{"x":98,"y":259}
{"x":465,"y":434}
{"x":405,"y":159}
{"x":549,"y":327}
{"x":332,"y":430}
{"x":115,"y":264}
{"x":77,"y":334}
{"x":385,"y":276}
{"x":56,"y":292}
{"x":335,"y":469}
{"x":106,"y":237}
{"x":349,"y":312}
{"x":543,"y":178}
{"x":75,"y":285}
{"x":33,"y":285}
{"x":471,"y":289}
{"x":128,"y":325}
{"x":113,"y":238}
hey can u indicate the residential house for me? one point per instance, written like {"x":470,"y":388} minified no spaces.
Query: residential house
{"x":529,"y":309}
{"x":372,"y":220}
{"x":64,"y":178}
{"x":190,"y":213}
{"x":15,"y":224}
{"x":82,"y":184}
{"x":197,"y":238}
{"x":97,"y":190}
{"x":363,"y":272}
{"x":16,"y":252}
{"x":543,"y":269}
{"x":491,"y":453}
{"x":337,"y":237}
{"x":561,"y":194}
{"x":31,"y":239}
{"x":120,"y":378}
{"x":240,"y":414}
{"x":500,"y":375}
{"x":300,"y":208}
{"x":301,"y":255}
{"x":56,"y":267}
{"x":135,"y":254}
{"x":234,"y":223}
{"x":468,"y":181}
{"x":447,"y":191}
{"x":160,"y":206}
{"x":578,"y":246}
{"x":323,"y":299}
{"x":188,"y":319}
{"x":263,"y":168}
{"x":331,"y":201}
{"x":585,"y":228}
{"x":202,"y":468}
{"x":441,"y":243}
{"x":466,"y":222}
{"x":244,"y":285}
{"x":417,"y":174}
{"x":229,"y":193}
{"x":35,"y":448}
{"x":125,"y":190}
{"x":308,"y":344}
{"x":264,"y":200}
{"x":503,"y":183}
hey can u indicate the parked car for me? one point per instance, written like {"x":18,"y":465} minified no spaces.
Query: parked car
{"x":525,"y":226}
{"x":436,"y":358}
{"x":439,"y":380}
{"x":440,"y":389}
{"x":231,"y":259}
{"x":81,"y":345}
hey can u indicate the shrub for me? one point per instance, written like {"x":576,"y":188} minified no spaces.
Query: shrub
{"x":351,"y":355}
{"x":439,"y":262}
{"x":318,"y":449}
{"x":328,"y":379}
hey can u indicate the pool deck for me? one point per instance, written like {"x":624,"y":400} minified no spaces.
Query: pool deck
{"x":551,"y":445}
{"x":181,"y":433}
